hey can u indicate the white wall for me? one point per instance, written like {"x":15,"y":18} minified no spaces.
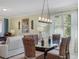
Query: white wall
{"x":13,"y":24}
{"x":52,"y":26}
{"x":74,"y":32}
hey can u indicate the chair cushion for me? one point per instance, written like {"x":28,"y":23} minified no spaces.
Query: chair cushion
{"x":57,"y":48}
{"x":55,"y":52}
{"x":38,"y":53}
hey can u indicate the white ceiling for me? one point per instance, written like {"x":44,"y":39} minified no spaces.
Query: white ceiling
{"x":17,"y":7}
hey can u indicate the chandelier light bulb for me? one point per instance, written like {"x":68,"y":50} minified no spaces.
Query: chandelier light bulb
{"x":4,"y":9}
{"x":39,"y":18}
{"x":48,"y":20}
{"x":43,"y":19}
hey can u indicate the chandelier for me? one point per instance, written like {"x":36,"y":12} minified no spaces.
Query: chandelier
{"x":45,"y":18}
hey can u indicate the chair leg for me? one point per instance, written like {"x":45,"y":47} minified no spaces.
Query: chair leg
{"x":68,"y":56}
{"x":3,"y":58}
{"x":29,"y":58}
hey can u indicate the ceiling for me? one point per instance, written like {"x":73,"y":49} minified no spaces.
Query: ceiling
{"x":21,"y":7}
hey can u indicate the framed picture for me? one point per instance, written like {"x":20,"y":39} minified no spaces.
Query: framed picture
{"x":19,"y":25}
{"x":32,"y":26}
{"x":25,"y":25}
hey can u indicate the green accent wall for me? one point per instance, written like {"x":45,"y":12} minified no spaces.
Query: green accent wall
{"x":5,"y":25}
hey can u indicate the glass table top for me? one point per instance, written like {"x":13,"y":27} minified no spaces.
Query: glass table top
{"x":46,"y":45}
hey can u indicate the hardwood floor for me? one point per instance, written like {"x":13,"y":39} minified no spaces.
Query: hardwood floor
{"x":21,"y":56}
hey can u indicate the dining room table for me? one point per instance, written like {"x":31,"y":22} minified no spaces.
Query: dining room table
{"x":45,"y":48}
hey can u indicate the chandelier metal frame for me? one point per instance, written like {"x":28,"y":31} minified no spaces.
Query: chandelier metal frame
{"x":43,"y":18}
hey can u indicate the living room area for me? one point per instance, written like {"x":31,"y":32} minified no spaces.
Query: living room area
{"x":43,"y":21}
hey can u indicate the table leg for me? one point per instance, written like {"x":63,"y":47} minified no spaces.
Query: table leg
{"x":45,"y":55}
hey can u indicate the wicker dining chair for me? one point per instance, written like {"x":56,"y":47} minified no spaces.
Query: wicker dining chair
{"x":61,"y":53}
{"x":67,"y":48}
{"x":29,"y":48}
{"x":56,"y":38}
{"x":35,"y":37}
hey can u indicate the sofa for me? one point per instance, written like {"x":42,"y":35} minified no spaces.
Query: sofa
{"x":13,"y":46}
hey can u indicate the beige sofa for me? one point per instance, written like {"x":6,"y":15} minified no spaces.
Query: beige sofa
{"x":13,"y":46}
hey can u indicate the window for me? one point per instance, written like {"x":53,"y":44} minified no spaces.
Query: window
{"x":63,"y":25}
{"x":58,"y":25}
{"x":67,"y":25}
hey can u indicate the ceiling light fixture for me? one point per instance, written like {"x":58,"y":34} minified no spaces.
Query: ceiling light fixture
{"x":45,"y":18}
{"x":4,"y":9}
